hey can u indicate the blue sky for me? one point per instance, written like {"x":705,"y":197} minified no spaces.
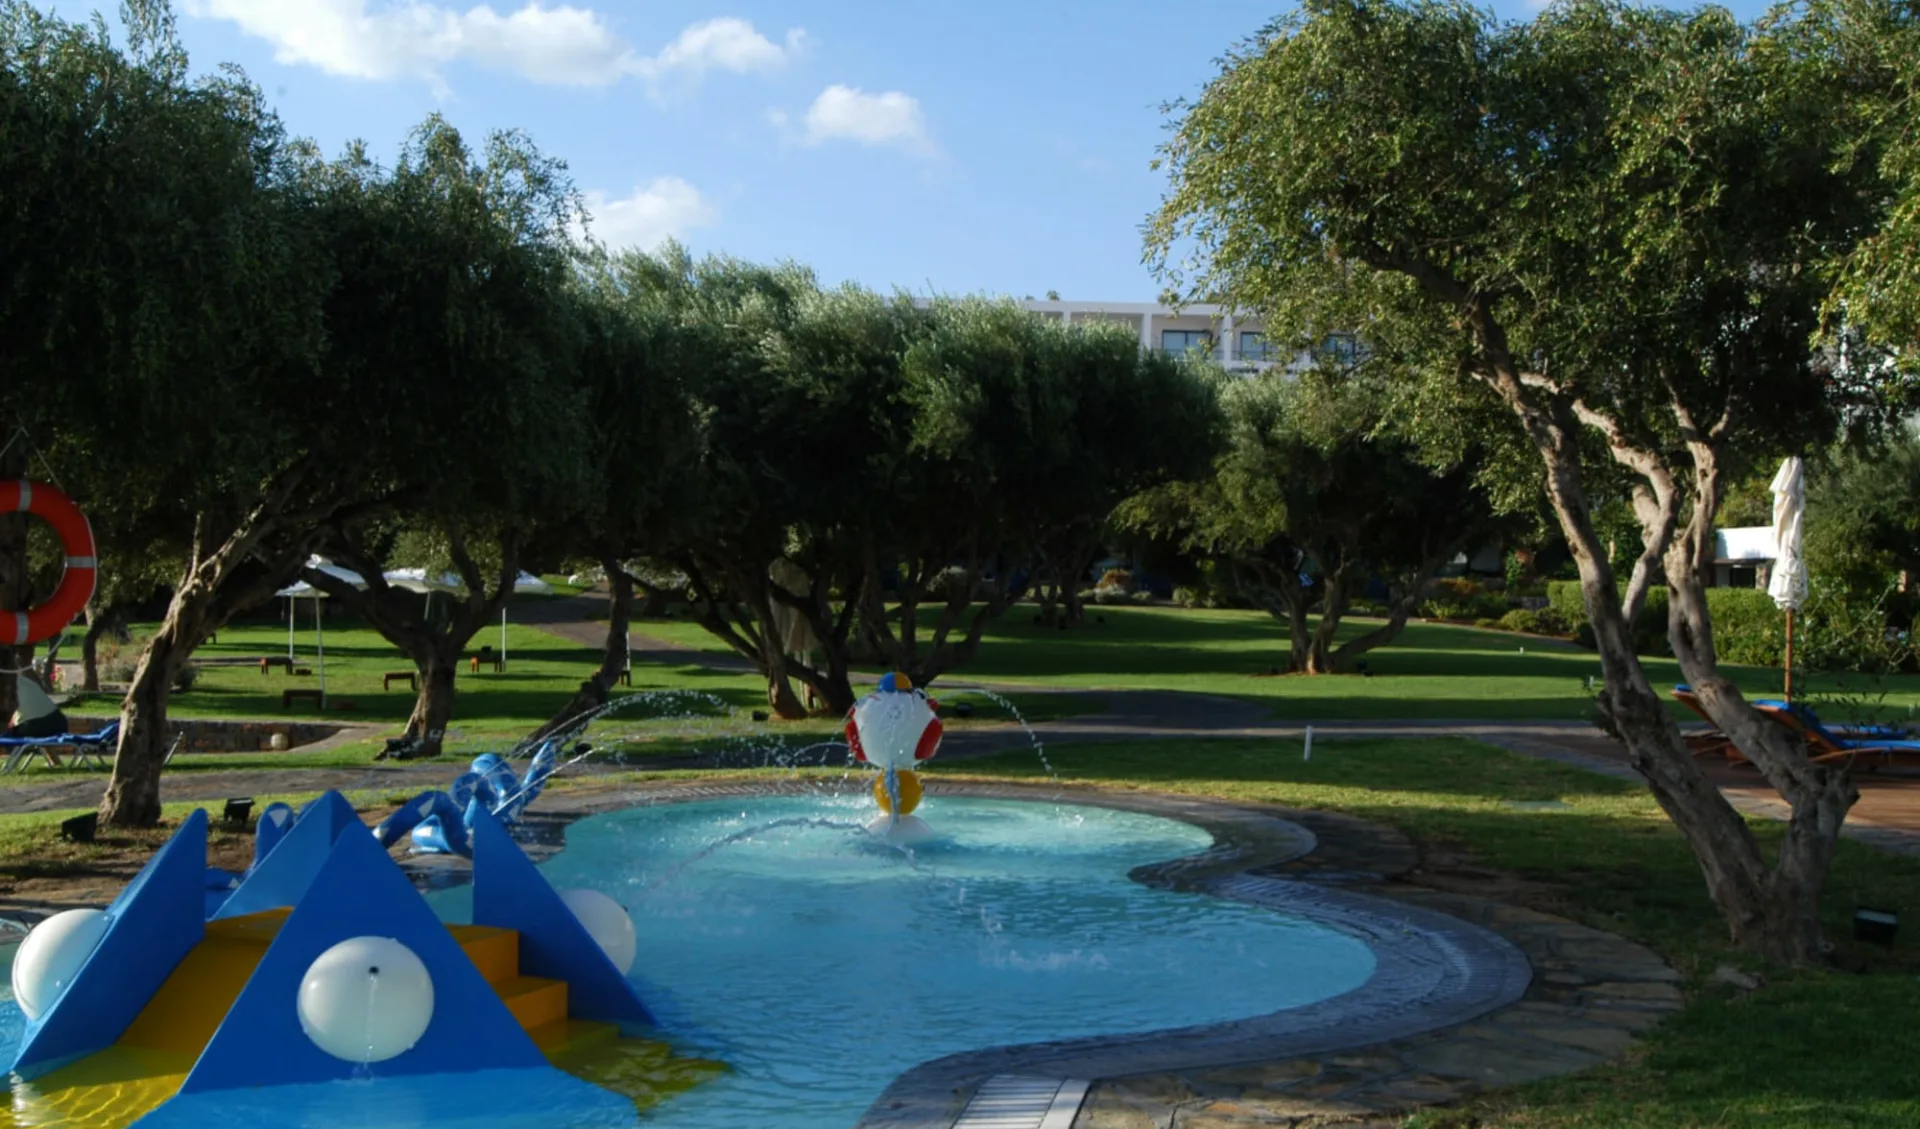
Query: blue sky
{"x":959,"y":146}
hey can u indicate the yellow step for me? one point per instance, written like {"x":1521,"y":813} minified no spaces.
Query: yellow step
{"x":534,"y":1000}
{"x":183,"y":1015}
{"x":495,"y":952}
{"x":569,"y":1035}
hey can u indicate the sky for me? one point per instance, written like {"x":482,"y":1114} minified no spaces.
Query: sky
{"x":938,"y":146}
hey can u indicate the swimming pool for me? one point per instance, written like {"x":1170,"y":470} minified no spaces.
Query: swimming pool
{"x":819,"y":963}
{"x":777,"y":936}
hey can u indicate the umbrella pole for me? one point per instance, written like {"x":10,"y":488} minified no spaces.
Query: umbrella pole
{"x":1789,"y":655}
{"x":291,"y":601}
{"x":503,"y":637}
{"x":320,"y":646}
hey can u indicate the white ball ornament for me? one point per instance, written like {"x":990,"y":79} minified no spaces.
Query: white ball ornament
{"x":52,"y":954}
{"x":366,"y":999}
{"x":606,"y":921}
{"x":890,"y":726}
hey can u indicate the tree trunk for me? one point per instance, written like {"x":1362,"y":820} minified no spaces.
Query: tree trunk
{"x":1781,"y":918}
{"x":1333,"y":608}
{"x":1403,"y":609}
{"x":98,"y":624}
{"x":1771,"y":912}
{"x":14,"y":586}
{"x":1776,"y":920}
{"x":781,"y":698}
{"x":434,"y":644}
{"x":433,"y":707}
{"x":133,"y":793}
{"x":594,"y":692}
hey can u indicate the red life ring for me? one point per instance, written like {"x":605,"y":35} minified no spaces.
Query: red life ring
{"x":76,"y":583}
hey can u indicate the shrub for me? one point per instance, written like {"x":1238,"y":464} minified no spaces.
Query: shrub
{"x":184,"y":680}
{"x":1547,"y":621}
{"x":1192,"y":598}
{"x":1565,"y":599}
{"x":1747,"y":627}
{"x":1521,"y":620}
{"x":1849,"y":632}
{"x":1487,"y":622}
{"x":1116,"y":578}
{"x":1460,"y":598}
{"x":1142,"y":597}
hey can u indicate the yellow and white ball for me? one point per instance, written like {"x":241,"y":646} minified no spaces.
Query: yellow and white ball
{"x":910,"y":791}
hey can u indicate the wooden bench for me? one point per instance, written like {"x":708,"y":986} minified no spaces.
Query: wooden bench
{"x":626,"y":678}
{"x":288,"y":697}
{"x":490,"y":657}
{"x":270,"y":661}
{"x":407,"y":676}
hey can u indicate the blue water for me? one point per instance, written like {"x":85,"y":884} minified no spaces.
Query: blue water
{"x":819,"y":963}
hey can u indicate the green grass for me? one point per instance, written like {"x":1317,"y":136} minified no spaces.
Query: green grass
{"x":1431,"y":671}
{"x":542,"y":673}
{"x":1810,"y":1049}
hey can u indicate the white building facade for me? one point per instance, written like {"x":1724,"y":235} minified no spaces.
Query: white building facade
{"x":1236,"y":341}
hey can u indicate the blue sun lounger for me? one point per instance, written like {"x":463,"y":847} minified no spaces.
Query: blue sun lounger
{"x":85,"y":749}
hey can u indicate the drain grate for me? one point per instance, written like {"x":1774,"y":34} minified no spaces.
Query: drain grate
{"x":1017,"y":1101}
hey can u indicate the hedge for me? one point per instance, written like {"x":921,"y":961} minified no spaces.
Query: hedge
{"x":1747,"y":628}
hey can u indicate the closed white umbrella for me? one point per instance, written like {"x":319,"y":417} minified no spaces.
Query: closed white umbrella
{"x":1787,"y":583}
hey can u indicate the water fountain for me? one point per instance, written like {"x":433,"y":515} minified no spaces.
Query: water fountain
{"x":893,"y":729}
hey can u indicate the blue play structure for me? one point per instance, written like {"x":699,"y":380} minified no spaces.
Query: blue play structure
{"x":183,"y":993}
{"x":443,"y":822}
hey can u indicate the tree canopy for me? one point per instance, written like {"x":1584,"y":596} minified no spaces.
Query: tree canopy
{"x":1623,"y":223}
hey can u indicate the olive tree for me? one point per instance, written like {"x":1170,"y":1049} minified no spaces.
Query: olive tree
{"x":454,"y":324}
{"x":1616,"y":221}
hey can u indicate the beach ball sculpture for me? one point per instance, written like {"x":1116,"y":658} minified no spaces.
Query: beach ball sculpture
{"x":894,"y":729}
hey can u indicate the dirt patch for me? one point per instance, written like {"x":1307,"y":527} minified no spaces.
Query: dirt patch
{"x":59,"y":875}
{"x":1451,"y":868}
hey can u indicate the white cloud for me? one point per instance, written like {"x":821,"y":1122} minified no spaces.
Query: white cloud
{"x":666,"y":209}
{"x":411,"y":39}
{"x":844,"y":113}
{"x":557,"y":44}
{"x":724,"y":44}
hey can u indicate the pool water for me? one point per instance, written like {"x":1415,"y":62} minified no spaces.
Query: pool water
{"x":819,"y":963}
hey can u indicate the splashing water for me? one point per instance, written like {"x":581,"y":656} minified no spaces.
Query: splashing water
{"x":1039,"y":747}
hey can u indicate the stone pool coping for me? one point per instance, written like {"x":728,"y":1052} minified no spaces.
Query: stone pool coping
{"x":1467,"y":993}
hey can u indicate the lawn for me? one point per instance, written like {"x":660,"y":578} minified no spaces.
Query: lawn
{"x":686,"y":702}
{"x":1433,"y":671}
{"x":1808,"y":1050}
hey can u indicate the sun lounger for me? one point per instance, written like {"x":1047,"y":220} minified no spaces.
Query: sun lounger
{"x":84,"y":749}
{"x":1868,"y":744}
{"x":1827,"y":746}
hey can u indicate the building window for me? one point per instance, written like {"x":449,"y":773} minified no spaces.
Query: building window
{"x":1254,"y":346}
{"x":1341,"y":349}
{"x":1743,"y":576}
{"x":1177,"y":342}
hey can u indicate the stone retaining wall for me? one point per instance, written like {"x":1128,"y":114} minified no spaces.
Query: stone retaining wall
{"x":204,"y":736}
